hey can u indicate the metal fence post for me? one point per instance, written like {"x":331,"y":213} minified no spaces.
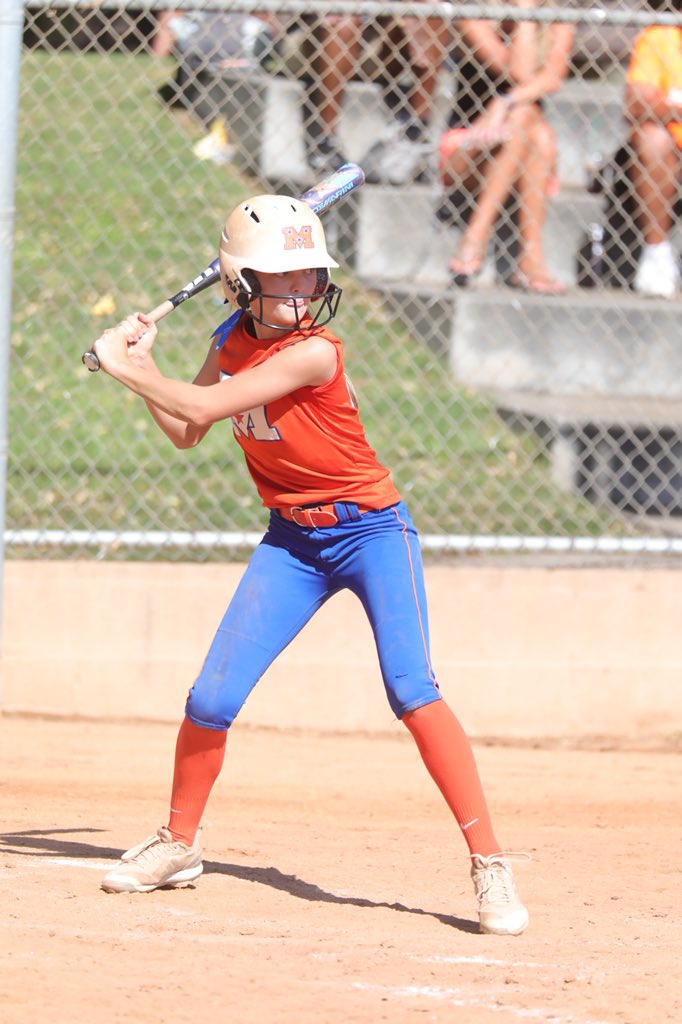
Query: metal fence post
{"x":11,"y":24}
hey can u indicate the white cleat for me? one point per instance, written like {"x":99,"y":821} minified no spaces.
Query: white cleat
{"x":500,"y":911}
{"x":159,"y":860}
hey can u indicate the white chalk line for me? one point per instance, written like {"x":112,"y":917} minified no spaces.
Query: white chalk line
{"x":37,"y":862}
{"x":485,"y":960}
{"x":455,"y":997}
{"x":74,"y":862}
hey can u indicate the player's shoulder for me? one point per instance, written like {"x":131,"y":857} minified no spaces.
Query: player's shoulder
{"x":324,"y":332}
{"x":319,"y":345}
{"x":317,"y":337}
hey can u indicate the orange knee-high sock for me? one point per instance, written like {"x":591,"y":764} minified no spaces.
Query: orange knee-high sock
{"x":446,"y":752}
{"x":199,"y":755}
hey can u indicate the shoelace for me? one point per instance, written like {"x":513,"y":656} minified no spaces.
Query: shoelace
{"x":148,"y":844}
{"x":497,"y":884}
{"x":142,"y":847}
{"x":494,"y":881}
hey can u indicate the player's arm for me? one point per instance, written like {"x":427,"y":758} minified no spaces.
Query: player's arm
{"x":141,"y":332}
{"x":310,"y":362}
{"x":182,"y":433}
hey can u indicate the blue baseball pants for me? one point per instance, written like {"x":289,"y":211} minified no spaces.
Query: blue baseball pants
{"x":291,"y":574}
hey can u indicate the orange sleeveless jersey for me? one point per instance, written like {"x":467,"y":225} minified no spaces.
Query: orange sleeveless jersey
{"x":310,"y":446}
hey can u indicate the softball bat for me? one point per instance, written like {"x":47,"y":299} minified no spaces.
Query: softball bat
{"x":320,"y":198}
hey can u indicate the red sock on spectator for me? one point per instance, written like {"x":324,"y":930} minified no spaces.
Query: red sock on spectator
{"x":446,"y":752}
{"x":199,"y":755}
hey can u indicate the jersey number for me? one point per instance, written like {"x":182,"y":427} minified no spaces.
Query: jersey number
{"x":254,"y":424}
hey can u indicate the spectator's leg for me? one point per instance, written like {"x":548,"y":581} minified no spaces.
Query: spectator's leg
{"x":429,"y":42}
{"x":163,"y":39}
{"x":419,"y":48}
{"x":655,"y":172}
{"x":532,"y":189}
{"x":338,"y":39}
{"x":499,"y":175}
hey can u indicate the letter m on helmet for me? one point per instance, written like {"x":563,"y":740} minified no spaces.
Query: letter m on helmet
{"x":298,"y":239}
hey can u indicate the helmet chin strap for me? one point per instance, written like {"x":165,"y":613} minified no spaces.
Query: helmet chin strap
{"x":327,"y":308}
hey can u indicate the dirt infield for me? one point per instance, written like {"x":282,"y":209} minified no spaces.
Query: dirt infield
{"x":335,"y":885}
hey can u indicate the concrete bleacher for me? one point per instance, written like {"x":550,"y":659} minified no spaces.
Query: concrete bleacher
{"x":264,"y":118}
{"x":399,"y":238}
{"x":604,"y":358}
{"x":265,"y":124}
{"x":585,"y":114}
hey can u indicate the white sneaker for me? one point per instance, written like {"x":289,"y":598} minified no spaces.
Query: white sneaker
{"x":658,"y":273}
{"x":500,"y":911}
{"x":325,"y":156}
{"x":157,"y":861}
{"x":398,"y":160}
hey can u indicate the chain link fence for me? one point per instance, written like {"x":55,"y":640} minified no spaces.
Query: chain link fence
{"x":512,"y":419}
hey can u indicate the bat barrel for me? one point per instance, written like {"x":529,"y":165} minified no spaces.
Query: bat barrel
{"x":209,"y":276}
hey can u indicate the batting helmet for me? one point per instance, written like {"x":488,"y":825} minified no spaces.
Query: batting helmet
{"x":272,"y":234}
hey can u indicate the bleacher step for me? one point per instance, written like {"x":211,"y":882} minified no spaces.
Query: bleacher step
{"x":599,"y":379}
{"x":399,"y":236}
{"x":606,"y":345}
{"x":587,"y":117}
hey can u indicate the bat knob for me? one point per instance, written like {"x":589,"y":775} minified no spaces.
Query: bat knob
{"x":91,"y":360}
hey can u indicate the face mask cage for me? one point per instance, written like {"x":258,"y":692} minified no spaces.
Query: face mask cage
{"x":320,"y":309}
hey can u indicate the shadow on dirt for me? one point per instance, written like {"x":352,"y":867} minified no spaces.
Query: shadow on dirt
{"x":54,"y":843}
{"x":275,"y":879}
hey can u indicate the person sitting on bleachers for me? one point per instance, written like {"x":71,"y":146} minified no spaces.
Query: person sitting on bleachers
{"x":408,"y":55}
{"x":653,"y":107}
{"x":500,"y":144}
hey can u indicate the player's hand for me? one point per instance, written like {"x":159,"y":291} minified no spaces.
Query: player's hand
{"x":130,"y":340}
{"x":140,"y":349}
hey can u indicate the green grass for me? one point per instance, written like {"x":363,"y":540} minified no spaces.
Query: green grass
{"x":111,"y":200}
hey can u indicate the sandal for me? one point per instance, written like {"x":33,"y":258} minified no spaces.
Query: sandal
{"x":536,"y":284}
{"x":467,"y":263}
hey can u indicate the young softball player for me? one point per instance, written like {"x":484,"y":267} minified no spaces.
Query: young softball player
{"x":336,"y":521}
